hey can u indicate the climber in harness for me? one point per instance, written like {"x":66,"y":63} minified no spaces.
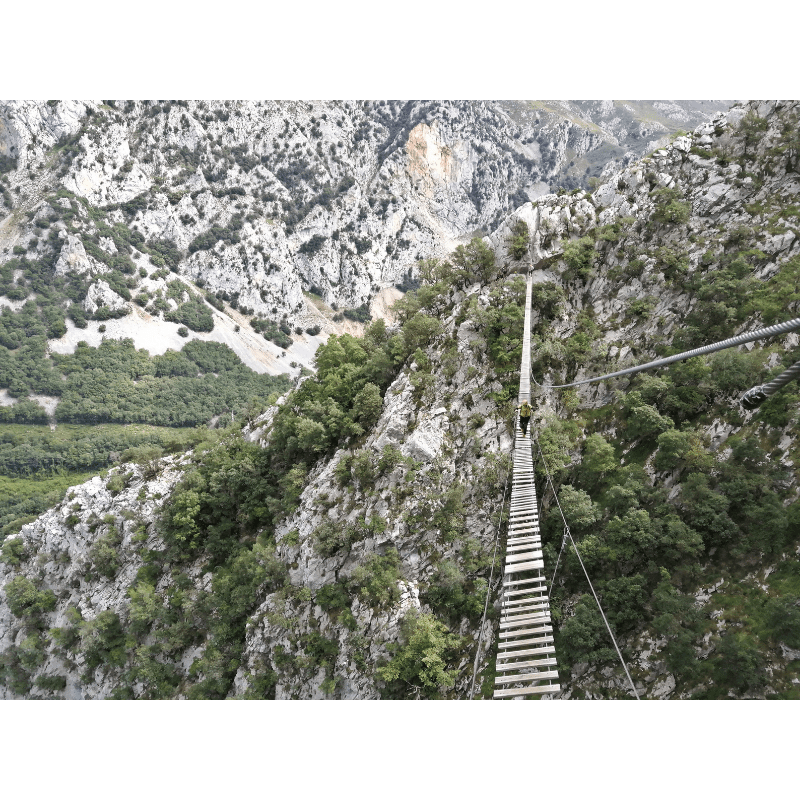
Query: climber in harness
{"x":524,"y":417}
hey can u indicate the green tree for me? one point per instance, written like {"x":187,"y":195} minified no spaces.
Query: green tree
{"x":102,"y":641}
{"x":678,"y":620}
{"x":579,"y":258}
{"x":376,"y":579}
{"x":672,"y":447}
{"x":474,"y":262}
{"x":630,"y":539}
{"x":598,"y":460}
{"x":419,"y":664}
{"x":580,"y":511}
{"x":644,"y":421}
{"x":782,"y":620}
{"x":519,"y":240}
{"x":707,"y":511}
{"x":583,"y":637}
{"x":738,"y":663}
{"x":367,"y":405}
{"x":25,"y":600}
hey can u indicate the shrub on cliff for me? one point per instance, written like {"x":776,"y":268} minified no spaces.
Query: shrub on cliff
{"x":419,"y":666}
{"x":519,"y":240}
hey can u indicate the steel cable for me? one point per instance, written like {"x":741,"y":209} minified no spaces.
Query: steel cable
{"x":754,"y":397}
{"x":491,"y":571}
{"x":742,"y":338}
{"x":597,"y":600}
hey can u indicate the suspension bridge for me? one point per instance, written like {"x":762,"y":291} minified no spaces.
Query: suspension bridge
{"x":526,"y":660}
{"x":526,"y":663}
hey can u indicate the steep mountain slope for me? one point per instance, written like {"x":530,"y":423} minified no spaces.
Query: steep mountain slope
{"x":261,"y":201}
{"x":340,"y":545}
{"x":583,"y":139}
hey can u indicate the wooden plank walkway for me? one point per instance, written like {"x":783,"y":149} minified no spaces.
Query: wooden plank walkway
{"x":526,"y":663}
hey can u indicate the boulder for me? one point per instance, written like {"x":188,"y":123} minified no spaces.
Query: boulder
{"x":74,"y":259}
{"x":101,"y":294}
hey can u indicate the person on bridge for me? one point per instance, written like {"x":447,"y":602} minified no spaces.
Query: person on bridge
{"x":524,"y":417}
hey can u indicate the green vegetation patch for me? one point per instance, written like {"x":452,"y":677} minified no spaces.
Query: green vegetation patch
{"x":24,"y":499}
{"x":115,"y":382}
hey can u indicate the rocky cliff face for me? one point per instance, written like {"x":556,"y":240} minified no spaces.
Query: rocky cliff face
{"x":262,"y":203}
{"x":383,"y":557}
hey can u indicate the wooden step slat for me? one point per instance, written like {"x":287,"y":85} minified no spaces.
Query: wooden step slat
{"x":512,"y":592}
{"x":515,"y":583}
{"x":530,"y":676}
{"x":536,"y":637}
{"x":524,"y":621}
{"x":551,"y":689}
{"x":528,"y":547}
{"x":511,"y":604}
{"x":543,"y":662}
{"x":514,"y":611}
{"x":525,"y":566}
{"x":523,"y":543}
{"x":507,"y":644}
{"x":530,"y":651}
{"x":526,"y":556}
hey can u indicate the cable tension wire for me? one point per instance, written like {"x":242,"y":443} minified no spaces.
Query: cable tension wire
{"x":742,"y":338}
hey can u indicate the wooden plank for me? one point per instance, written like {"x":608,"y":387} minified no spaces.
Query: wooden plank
{"x":524,"y":620}
{"x":530,"y":676}
{"x":542,"y":662}
{"x":524,"y":590}
{"x":531,"y":550}
{"x":529,"y":589}
{"x":510,"y":592}
{"x":530,"y":651}
{"x":533,"y":604}
{"x":538,"y":630}
{"x":513,"y":584}
{"x":512,"y":612}
{"x":512,"y":606}
{"x":510,"y":589}
{"x":521,"y":600}
{"x":542,"y":636}
{"x":525,"y":555}
{"x":510,"y":647}
{"x":511,"y":546}
{"x":518,"y":541}
{"x":520,"y":581}
{"x":553,"y":688}
{"x":524,"y":567}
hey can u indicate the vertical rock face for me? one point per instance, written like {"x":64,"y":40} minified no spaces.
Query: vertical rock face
{"x":395,"y":527}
